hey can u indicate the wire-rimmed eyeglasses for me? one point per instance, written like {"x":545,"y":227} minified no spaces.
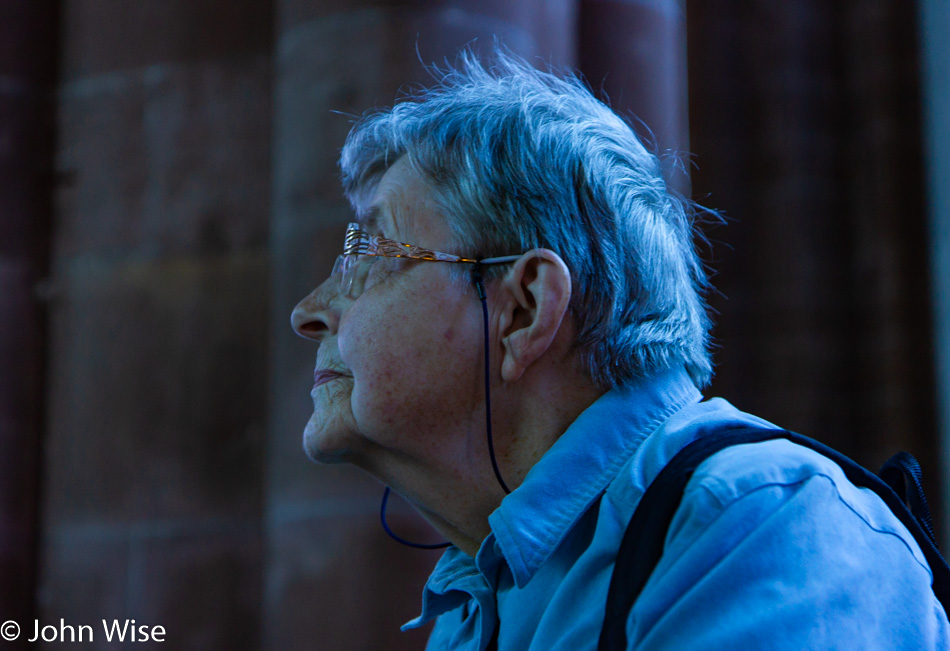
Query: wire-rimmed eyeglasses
{"x":361,"y":250}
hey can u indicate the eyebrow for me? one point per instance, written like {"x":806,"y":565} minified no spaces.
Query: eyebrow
{"x":370,"y":221}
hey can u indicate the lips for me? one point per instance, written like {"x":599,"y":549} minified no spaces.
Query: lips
{"x":324,"y":375}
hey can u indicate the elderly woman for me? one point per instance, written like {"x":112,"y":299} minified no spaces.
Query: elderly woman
{"x":515,"y":340}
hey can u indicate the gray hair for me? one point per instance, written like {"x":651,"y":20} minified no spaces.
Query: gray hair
{"x":520,"y":159}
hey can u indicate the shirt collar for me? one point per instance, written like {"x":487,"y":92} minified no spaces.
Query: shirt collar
{"x":532,"y":521}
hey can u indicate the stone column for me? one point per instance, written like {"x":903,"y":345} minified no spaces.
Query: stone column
{"x":934,"y":25}
{"x":634,"y":52}
{"x":806,"y":126}
{"x":332,"y":575}
{"x":159,"y":320}
{"x":27,"y":75}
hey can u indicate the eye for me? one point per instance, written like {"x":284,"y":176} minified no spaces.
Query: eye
{"x":380,"y":269}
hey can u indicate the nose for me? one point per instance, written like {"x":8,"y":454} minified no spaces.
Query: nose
{"x":317,"y":316}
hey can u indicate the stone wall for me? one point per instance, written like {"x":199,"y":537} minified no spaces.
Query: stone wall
{"x":159,"y":317}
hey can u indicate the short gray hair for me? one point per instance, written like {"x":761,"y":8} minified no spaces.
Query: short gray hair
{"x":519,"y":159}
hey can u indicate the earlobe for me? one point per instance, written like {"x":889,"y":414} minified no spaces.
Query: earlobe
{"x":537,"y":296}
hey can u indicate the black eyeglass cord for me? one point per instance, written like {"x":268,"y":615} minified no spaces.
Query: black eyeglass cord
{"x":477,"y":279}
{"x":483,"y":298}
{"x":399,"y":539}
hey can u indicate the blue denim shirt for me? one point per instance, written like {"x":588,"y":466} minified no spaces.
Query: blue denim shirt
{"x":771,"y":548}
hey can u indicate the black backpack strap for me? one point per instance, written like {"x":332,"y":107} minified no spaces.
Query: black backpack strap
{"x":902,"y":473}
{"x":645,"y":536}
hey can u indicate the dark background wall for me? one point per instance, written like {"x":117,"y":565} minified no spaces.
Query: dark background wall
{"x":170,"y":191}
{"x":27,"y":77}
{"x":806,"y":128}
{"x":158,"y":303}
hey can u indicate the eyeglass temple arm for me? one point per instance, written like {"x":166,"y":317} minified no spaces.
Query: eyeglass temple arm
{"x":499,"y":260}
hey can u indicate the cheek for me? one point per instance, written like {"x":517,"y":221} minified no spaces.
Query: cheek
{"x":412,"y":371}
{"x":394,"y":369}
{"x":378,"y":348}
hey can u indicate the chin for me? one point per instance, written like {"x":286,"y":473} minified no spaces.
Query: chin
{"x":325,"y":444}
{"x":330,"y":436}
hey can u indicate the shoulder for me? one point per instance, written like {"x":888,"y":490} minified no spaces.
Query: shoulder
{"x":671,"y":436}
{"x":772,"y":539}
{"x":788,"y":481}
{"x":770,"y":474}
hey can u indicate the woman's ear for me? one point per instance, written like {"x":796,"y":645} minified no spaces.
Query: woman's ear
{"x":536,"y":298}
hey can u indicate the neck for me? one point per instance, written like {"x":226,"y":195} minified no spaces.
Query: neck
{"x":457,"y":489}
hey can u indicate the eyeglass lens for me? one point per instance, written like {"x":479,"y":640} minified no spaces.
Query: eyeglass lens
{"x":353,"y":270}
